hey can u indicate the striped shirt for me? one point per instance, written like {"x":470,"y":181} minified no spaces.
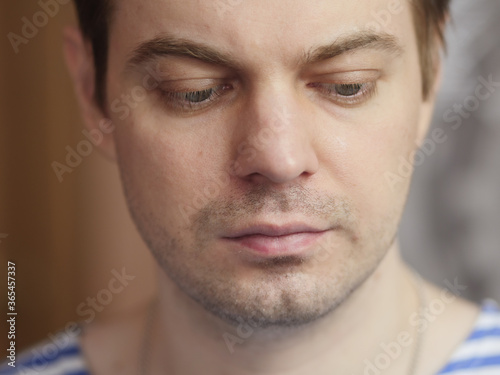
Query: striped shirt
{"x":479,"y":354}
{"x":60,"y":355}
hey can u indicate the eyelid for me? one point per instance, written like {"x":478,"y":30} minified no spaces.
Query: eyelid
{"x":189,"y":85}
{"x":173,"y":99}
{"x":368,"y":90}
{"x":345,"y":77}
{"x":184,"y":66}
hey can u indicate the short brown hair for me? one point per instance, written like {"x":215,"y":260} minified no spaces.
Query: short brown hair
{"x":95,"y":17}
{"x":429,"y":17}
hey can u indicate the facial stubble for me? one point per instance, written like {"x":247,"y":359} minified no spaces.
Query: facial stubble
{"x":288,"y":291}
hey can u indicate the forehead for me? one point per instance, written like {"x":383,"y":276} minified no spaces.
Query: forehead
{"x":258,"y":29}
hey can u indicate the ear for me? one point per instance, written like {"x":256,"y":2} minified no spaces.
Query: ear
{"x":80,"y":62}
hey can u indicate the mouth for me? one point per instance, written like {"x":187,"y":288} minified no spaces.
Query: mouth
{"x":273,"y":241}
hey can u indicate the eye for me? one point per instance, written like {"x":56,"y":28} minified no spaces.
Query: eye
{"x":348,"y":89}
{"x":189,"y":101}
{"x":197,"y":96}
{"x":347,"y":94}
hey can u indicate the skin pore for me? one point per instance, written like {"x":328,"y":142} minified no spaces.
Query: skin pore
{"x":275,"y":113}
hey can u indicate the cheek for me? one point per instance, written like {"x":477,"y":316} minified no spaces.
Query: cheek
{"x":167,"y":168}
{"x":364,"y":156}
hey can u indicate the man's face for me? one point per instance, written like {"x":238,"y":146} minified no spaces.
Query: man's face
{"x":286,"y":121}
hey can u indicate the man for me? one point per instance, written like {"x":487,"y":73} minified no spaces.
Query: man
{"x":259,"y":148}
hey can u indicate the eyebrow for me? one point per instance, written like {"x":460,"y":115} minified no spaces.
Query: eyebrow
{"x":165,"y":45}
{"x":364,"y":40}
{"x":170,"y":46}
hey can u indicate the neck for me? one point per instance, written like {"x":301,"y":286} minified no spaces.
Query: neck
{"x":187,"y":340}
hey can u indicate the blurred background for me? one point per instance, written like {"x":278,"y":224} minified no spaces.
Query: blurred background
{"x":451,"y":226}
{"x":68,"y":237}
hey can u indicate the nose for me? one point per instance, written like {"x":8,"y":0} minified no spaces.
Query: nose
{"x":274,"y":139}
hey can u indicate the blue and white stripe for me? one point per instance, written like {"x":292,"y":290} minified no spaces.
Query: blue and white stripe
{"x":480,"y":353}
{"x":42,"y":360}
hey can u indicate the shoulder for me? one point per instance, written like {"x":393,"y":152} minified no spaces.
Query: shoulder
{"x":479,"y":353}
{"x":105,"y":346}
{"x":60,"y":354}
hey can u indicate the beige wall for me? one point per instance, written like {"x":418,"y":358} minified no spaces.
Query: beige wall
{"x":65,"y":237}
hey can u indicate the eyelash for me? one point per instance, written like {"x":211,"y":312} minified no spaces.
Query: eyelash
{"x":362,"y":92}
{"x":188,"y":101}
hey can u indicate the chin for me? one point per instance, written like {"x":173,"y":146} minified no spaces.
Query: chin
{"x":282,"y":293}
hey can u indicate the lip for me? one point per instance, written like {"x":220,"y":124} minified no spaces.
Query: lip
{"x":276,"y":240}
{"x":272,"y":230}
